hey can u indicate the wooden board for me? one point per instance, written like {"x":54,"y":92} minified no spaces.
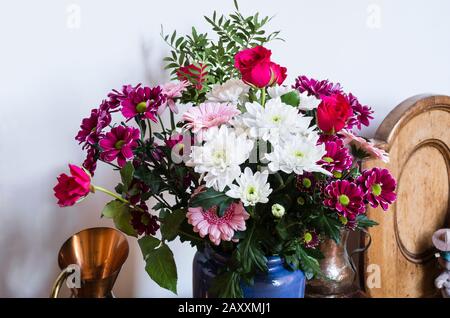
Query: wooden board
{"x":417,"y":136}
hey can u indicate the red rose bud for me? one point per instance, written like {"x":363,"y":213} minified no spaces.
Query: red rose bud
{"x":256,"y":68}
{"x":333,"y":113}
{"x":193,"y":73}
{"x":72,"y":188}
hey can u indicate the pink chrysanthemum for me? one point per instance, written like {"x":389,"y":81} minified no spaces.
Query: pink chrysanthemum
{"x":337,"y":159}
{"x":90,"y":163}
{"x":367,"y":146}
{"x":218,"y":228}
{"x":201,"y":118}
{"x":315,"y":87}
{"x":345,"y":197}
{"x":115,"y":97}
{"x":144,"y":222}
{"x":91,"y":127}
{"x":361,"y":114}
{"x":310,"y":239}
{"x":171,"y":91}
{"x":306,"y":182}
{"x":119,"y":143}
{"x":378,"y":187}
{"x":143,"y":102}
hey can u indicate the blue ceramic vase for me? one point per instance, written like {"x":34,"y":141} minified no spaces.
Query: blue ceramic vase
{"x":278,"y":282}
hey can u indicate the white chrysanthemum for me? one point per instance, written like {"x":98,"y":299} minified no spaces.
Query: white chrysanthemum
{"x":297,"y":154}
{"x":239,"y":126}
{"x":220,"y":156}
{"x":251,"y":188}
{"x":232,"y":91}
{"x":308,"y":102}
{"x":278,"y":91}
{"x":274,"y":121}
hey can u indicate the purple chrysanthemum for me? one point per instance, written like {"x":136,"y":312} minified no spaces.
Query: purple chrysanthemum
{"x":306,"y":182}
{"x":119,"y":143}
{"x":337,"y":159}
{"x":310,"y":239}
{"x":91,"y":127}
{"x":90,"y":163}
{"x":315,"y":87}
{"x":144,"y":222}
{"x":378,"y":186}
{"x":115,"y":97}
{"x":361,"y":114}
{"x":345,"y":197}
{"x":144,"y":102}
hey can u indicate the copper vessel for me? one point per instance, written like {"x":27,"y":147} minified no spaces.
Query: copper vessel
{"x":98,"y":254}
{"x":339,"y":272}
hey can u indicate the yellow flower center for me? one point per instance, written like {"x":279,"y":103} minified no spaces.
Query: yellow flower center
{"x":344,"y":200}
{"x":119,"y":144}
{"x":376,"y":189}
{"x":141,"y":107}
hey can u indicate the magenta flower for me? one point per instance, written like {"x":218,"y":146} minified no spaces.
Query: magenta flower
{"x":115,"y":97}
{"x":218,"y":228}
{"x":90,"y":163}
{"x":361,"y":114}
{"x":378,"y":186}
{"x":91,"y":127}
{"x":345,"y":197}
{"x":337,"y":159}
{"x":204,"y":116}
{"x":315,"y":87}
{"x":143,"y":102}
{"x":171,"y":91}
{"x":310,"y":239}
{"x":119,"y":143}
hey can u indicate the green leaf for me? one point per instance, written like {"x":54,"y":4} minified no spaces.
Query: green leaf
{"x":364,"y":222}
{"x":291,"y":98}
{"x":211,"y":197}
{"x":120,"y":213}
{"x":171,"y":224}
{"x":330,"y":225}
{"x":249,"y":253}
{"x":227,"y":285}
{"x":148,"y":244}
{"x":162,"y":268}
{"x":309,"y":264}
{"x":126,"y":173}
{"x":145,"y":175}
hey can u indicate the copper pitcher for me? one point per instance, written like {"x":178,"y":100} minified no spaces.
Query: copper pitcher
{"x":339,"y":272}
{"x":93,"y":256}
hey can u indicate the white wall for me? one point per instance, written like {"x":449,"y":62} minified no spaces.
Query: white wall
{"x":51,"y":76}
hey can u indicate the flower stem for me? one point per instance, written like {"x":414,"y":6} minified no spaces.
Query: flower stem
{"x":263,"y":96}
{"x":172,"y":120}
{"x":116,"y":196}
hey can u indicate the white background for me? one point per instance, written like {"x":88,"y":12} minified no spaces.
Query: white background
{"x":51,"y":75}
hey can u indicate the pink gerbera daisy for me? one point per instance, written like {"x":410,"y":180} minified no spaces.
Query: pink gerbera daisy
{"x":345,"y":197}
{"x":171,"y":91}
{"x":218,"y":228}
{"x":365,"y":145}
{"x":208,"y":115}
{"x":378,"y":186}
{"x":119,"y":143}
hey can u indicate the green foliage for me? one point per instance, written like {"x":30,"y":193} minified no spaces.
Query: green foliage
{"x":363,"y":222}
{"x":234,"y":33}
{"x":291,"y":98}
{"x":120,"y":213}
{"x":126,"y":173}
{"x":227,"y":285}
{"x":298,"y":257}
{"x":171,"y":224}
{"x":249,"y":253}
{"x":211,"y":197}
{"x":328,"y":224}
{"x":150,"y":178}
{"x":160,"y":264}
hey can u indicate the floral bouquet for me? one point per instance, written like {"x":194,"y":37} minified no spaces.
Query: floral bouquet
{"x":250,"y":168}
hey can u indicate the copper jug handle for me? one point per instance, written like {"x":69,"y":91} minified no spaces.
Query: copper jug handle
{"x":59,"y":281}
{"x":360,"y":250}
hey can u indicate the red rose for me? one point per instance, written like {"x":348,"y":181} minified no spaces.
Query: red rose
{"x":333,"y":113}
{"x":257,"y":69}
{"x":72,"y":188}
